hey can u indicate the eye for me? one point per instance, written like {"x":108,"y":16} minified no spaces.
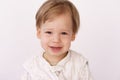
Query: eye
{"x":64,"y":33}
{"x":48,"y":32}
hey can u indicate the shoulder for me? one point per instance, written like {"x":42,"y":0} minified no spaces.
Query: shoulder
{"x":78,"y":58}
{"x":34,"y":68}
{"x":77,"y":55}
{"x":31,"y":64}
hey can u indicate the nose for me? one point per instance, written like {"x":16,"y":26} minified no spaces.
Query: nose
{"x":56,"y":38}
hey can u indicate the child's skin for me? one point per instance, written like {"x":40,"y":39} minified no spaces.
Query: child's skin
{"x":57,"y":23}
{"x":56,"y":35}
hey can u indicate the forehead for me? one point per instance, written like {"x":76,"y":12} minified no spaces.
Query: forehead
{"x":63,"y":21}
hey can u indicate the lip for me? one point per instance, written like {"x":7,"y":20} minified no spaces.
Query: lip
{"x":55,"y":49}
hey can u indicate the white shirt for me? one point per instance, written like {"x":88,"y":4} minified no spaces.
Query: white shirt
{"x":73,"y":67}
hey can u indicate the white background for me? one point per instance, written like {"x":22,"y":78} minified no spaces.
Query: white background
{"x":98,"y":39}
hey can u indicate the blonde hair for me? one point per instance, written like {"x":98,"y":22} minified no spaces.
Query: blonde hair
{"x":53,"y":8}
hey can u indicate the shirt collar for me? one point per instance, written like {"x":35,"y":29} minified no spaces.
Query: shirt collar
{"x":59,"y":66}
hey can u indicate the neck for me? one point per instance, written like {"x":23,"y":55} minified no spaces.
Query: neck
{"x":53,"y":60}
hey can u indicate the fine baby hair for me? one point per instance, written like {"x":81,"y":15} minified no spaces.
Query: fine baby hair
{"x":53,"y":8}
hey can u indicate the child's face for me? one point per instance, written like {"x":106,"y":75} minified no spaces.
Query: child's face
{"x":56,"y":35}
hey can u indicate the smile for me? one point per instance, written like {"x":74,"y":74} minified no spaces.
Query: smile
{"x":55,"y":49}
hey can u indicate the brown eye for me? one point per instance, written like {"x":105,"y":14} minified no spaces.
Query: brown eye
{"x":48,"y":32}
{"x":64,"y":33}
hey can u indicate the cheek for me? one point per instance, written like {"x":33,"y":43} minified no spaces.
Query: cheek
{"x":67,"y":41}
{"x":67,"y":38}
{"x":44,"y":43}
{"x":44,"y":37}
{"x":44,"y":40}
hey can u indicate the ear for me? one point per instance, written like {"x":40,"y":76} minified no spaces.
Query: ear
{"x":73,"y":37}
{"x":38,"y":33}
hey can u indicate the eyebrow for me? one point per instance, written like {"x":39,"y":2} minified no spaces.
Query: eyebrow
{"x":62,"y":30}
{"x":49,"y":28}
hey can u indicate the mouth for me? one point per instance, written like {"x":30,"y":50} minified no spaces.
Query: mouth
{"x":55,"y":49}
